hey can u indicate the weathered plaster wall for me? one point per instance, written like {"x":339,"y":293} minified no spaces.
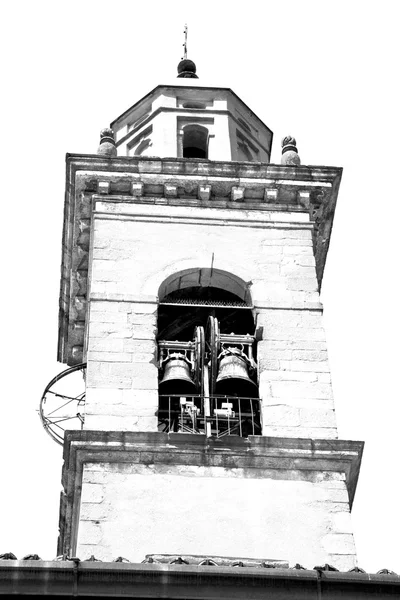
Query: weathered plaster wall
{"x":132,"y":510}
{"x":135,"y":247}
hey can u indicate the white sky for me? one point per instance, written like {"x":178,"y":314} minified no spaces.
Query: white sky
{"x":325,"y":72}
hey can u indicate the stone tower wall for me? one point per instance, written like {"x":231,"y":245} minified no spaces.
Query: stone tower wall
{"x":135,"y":247}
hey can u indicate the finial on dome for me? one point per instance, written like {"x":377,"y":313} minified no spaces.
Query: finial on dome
{"x":186,"y":68}
{"x":289,"y":152}
{"x":107,"y":143}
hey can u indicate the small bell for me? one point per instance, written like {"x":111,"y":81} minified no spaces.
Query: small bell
{"x":177,"y":380}
{"x":233,"y":376}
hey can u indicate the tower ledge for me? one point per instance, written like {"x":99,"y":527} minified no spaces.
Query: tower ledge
{"x":324,"y":463}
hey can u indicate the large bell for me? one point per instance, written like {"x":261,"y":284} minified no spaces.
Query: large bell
{"x":233,"y":377}
{"x":177,"y":378}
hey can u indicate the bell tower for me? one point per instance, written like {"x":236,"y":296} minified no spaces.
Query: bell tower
{"x":191,"y":269}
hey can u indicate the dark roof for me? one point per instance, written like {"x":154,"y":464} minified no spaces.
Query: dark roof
{"x":179,"y":578}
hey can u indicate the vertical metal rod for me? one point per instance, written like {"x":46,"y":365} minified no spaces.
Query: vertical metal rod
{"x":181,"y":405}
{"x":169,"y":414}
{"x":207,"y":424}
{"x":252,"y":414}
{"x":240,"y":419}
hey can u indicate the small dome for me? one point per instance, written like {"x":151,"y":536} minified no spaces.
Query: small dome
{"x":187,"y":68}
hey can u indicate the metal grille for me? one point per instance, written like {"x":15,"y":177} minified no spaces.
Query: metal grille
{"x":214,"y":416}
{"x":211,"y":303}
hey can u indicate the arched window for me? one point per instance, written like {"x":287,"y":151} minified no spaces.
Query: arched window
{"x":207,"y":355}
{"x":195,"y":142}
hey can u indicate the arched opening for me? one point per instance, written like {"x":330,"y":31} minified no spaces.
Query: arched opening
{"x":188,"y":298}
{"x":207,"y":355}
{"x":195,"y":142}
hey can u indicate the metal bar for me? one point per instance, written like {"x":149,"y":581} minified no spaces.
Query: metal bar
{"x":207,"y":425}
{"x":211,"y":304}
{"x":62,"y":406}
{"x":240,"y":419}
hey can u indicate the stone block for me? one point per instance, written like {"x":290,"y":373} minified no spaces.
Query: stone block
{"x":149,"y":319}
{"x":330,"y":476}
{"x":106,"y":344}
{"x":305,"y":365}
{"x":120,"y":410}
{"x":91,"y":511}
{"x":307,"y":284}
{"x":314,"y":433}
{"x":145,"y":399}
{"x":140,"y":346}
{"x":204,"y":192}
{"x":170,"y":190}
{"x":295,"y":271}
{"x":237,"y":193}
{"x":272,"y":375}
{"x":141,"y":307}
{"x":291,"y":250}
{"x":271,"y":195}
{"x":303,"y":198}
{"x":343,"y":562}
{"x":328,"y":493}
{"x":294,"y":333}
{"x":290,"y":389}
{"x":137,"y":188}
{"x":143,"y":332}
{"x":103,"y":381}
{"x":341,"y":522}
{"x":312,"y":417}
{"x":281,"y":415}
{"x":111,"y":423}
{"x":93,"y":493}
{"x":313,"y":355}
{"x":97,"y":356}
{"x":333,"y":507}
{"x":104,"y":306}
{"x":305,"y":260}
{"x":339,"y":543}
{"x":108,"y":317}
{"x":149,"y":423}
{"x":113,"y":330}
{"x":90,"y":532}
{"x":284,"y":354}
{"x":100,"y":395}
{"x":103,"y":187}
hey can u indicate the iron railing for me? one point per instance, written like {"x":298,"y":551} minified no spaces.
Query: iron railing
{"x":216,"y":416}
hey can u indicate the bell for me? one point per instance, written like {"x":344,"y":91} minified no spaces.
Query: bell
{"x":177,"y":378}
{"x":233,"y":378}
